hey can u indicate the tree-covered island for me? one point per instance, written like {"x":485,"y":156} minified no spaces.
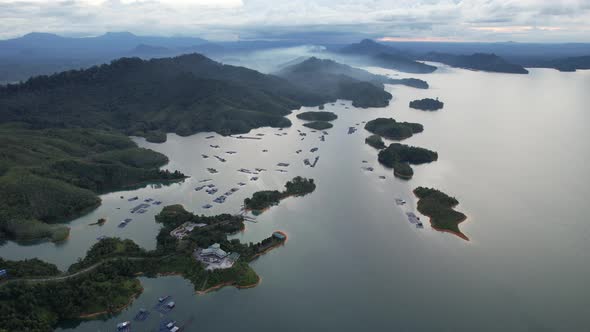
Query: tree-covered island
{"x":439,"y":207}
{"x":317,"y":116}
{"x":427,"y":104}
{"x":318,"y":125}
{"x":401,"y":156}
{"x":389,"y":128}
{"x":36,"y":296}
{"x":266,"y":198}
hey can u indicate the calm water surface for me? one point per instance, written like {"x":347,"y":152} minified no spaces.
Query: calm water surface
{"x":513,"y":149}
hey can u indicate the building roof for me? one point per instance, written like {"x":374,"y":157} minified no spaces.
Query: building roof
{"x":214,"y":250}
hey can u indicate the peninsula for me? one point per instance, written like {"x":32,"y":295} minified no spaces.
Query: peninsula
{"x":440,"y":208}
{"x":49,"y":176}
{"x":264,"y":199}
{"x":37,"y":296}
{"x":401,"y":156}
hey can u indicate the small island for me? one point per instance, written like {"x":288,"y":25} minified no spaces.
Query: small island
{"x":400,"y":156}
{"x":318,"y":125}
{"x":439,"y":207}
{"x":262,"y":200}
{"x":375,"y":141}
{"x":317,"y":116}
{"x":37,"y":296}
{"x":389,"y":128}
{"x":427,"y":104}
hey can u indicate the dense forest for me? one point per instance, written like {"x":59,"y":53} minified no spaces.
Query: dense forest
{"x":389,"y":128}
{"x":427,"y":104}
{"x":185,"y":95}
{"x":266,"y":198}
{"x":439,"y":207}
{"x":401,"y":156}
{"x":49,"y":176}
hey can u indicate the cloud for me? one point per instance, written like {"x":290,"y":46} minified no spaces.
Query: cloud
{"x":555,"y":20}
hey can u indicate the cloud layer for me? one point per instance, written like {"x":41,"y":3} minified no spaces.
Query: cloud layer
{"x":460,"y":20}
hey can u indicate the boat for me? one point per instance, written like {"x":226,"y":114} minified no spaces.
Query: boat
{"x":123,"y":326}
{"x":122,"y":224}
{"x":282,"y":164}
{"x":313,"y":150}
{"x":204,"y":156}
{"x":254,"y":178}
{"x":133,"y":199}
{"x":241,"y":184}
{"x":199,"y":188}
{"x":207,"y":206}
{"x":209,"y":137}
{"x":164,"y":298}
{"x":205,"y":180}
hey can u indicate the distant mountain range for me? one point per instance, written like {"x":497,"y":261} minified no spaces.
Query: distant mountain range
{"x":43,"y":53}
{"x":49,"y":45}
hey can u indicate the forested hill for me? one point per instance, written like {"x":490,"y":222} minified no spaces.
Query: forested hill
{"x":185,"y":95}
{"x":477,"y":61}
{"x":380,"y":55}
{"x":338,"y":81}
{"x":330,"y":67}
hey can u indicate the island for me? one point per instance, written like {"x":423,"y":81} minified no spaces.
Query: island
{"x":48,"y":176}
{"x":427,"y":104}
{"x":440,"y":208}
{"x":389,"y":128}
{"x":36,"y":296}
{"x":262,"y":200}
{"x":375,"y":141}
{"x":401,"y":156}
{"x":318,"y":125}
{"x":317,"y":116}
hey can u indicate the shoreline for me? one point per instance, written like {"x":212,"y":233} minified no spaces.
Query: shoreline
{"x":229,"y":283}
{"x":442,"y":230}
{"x":106,"y":312}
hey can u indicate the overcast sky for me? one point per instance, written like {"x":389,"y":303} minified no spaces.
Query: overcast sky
{"x":438,"y":20}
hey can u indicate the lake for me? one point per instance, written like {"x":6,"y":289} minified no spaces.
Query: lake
{"x":513,"y":149}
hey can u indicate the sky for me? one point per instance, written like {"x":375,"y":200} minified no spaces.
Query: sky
{"x":328,"y":20}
